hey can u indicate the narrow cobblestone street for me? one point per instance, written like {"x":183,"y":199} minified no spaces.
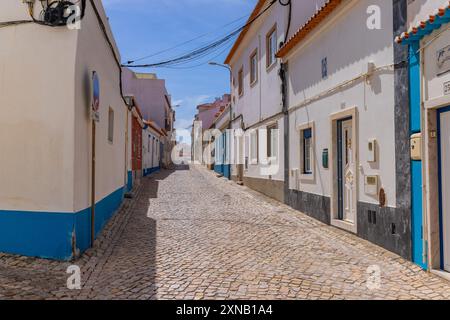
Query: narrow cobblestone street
{"x":190,"y":235}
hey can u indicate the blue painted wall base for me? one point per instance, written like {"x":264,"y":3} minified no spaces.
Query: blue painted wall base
{"x":149,"y":171}
{"x":130,"y":181}
{"x":50,"y":235}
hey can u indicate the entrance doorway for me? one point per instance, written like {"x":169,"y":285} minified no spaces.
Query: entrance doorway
{"x":346,"y":171}
{"x":444,"y":185}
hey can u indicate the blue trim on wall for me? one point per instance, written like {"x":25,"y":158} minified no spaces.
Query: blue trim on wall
{"x":417,"y":216}
{"x":414,"y":88}
{"x":416,"y":166}
{"x":227,"y":171}
{"x":51,"y":235}
{"x":130,"y":181}
{"x":441,"y":220}
{"x":218,"y":168}
{"x":149,"y":171}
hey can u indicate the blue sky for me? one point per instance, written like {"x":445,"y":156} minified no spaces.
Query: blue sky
{"x":144,"y":27}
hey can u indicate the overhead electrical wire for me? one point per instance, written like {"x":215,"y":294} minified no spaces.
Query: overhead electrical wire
{"x":205,"y":50}
{"x":202,"y":63}
{"x":186,"y":42}
{"x":194,"y":55}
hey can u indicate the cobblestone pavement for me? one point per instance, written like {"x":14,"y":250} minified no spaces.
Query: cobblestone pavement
{"x":190,"y":235}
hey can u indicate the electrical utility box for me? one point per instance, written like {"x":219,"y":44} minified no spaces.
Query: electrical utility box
{"x":371,"y":185}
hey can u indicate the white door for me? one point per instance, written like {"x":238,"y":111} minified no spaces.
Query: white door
{"x":348,"y":172}
{"x":445,"y":185}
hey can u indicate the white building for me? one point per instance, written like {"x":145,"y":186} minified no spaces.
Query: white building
{"x":151,"y":145}
{"x":155,"y":103}
{"x":46,"y":132}
{"x":347,"y":124}
{"x":256,"y":93}
{"x":343,"y":151}
{"x":427,"y":37}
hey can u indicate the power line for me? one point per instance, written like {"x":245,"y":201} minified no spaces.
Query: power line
{"x":205,"y":50}
{"x":186,"y":42}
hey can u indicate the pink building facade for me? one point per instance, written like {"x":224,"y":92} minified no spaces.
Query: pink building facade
{"x":155,"y":104}
{"x":208,"y":112}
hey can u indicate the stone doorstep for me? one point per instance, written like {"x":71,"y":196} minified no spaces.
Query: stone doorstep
{"x":441,"y":274}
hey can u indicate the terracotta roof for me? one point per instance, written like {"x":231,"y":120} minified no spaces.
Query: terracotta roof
{"x":309,"y":26}
{"x":424,"y":28}
{"x":241,"y":37}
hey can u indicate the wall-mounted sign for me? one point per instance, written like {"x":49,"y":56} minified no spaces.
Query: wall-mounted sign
{"x":447,"y":88}
{"x":443,"y":60}
{"x":95,"y":108}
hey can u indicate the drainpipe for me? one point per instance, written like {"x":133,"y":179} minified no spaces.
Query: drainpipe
{"x":423,"y":111}
{"x":282,"y":73}
{"x":283,"y":76}
{"x":93,"y":186}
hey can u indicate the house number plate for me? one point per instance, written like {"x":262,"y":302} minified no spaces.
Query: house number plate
{"x":447,"y":88}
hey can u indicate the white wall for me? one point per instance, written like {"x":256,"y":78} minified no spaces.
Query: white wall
{"x":263,"y":100}
{"x":93,"y":53}
{"x":347,"y":58}
{"x":149,"y":160}
{"x":37,"y":114}
{"x":434,"y":84}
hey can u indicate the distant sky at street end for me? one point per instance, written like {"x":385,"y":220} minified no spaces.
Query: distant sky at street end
{"x":145,"y":27}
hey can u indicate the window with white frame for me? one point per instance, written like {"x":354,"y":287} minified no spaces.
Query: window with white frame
{"x":241,"y":82}
{"x":254,"y":147}
{"x":271,"y":46}
{"x":307,"y":151}
{"x":272,"y":141}
{"x":254,"y":67}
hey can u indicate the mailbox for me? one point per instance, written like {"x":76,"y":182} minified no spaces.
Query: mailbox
{"x":416,"y":147}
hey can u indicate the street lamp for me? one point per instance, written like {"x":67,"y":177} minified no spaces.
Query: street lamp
{"x":212,"y":63}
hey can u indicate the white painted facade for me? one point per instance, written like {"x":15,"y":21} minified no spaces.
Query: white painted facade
{"x":45,"y":86}
{"x":259,"y":106}
{"x":434,"y":84}
{"x":316,"y":102}
{"x":110,"y":161}
{"x":150,"y":149}
{"x":46,"y":128}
